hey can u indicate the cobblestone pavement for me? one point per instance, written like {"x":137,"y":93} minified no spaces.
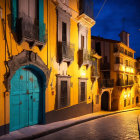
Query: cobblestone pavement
{"x":121,"y":126}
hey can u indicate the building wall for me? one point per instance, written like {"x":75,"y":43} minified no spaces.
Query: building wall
{"x":49,"y":56}
{"x":119,"y":93}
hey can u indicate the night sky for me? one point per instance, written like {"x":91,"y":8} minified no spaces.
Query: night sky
{"x":118,"y":15}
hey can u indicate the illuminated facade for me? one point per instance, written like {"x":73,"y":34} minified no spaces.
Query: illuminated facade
{"x":118,"y":72}
{"x":46,"y":62}
{"x":137,"y":80}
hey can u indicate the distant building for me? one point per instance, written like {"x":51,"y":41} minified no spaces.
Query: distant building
{"x":118,"y":72}
{"x":137,"y":79}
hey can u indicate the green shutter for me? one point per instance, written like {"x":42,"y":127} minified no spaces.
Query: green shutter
{"x":14,"y":14}
{"x":41,"y":21}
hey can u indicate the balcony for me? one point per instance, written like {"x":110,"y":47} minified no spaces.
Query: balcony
{"x":106,"y":83}
{"x":121,"y":50}
{"x":123,"y":68}
{"x":65,"y":52}
{"x":84,"y":58}
{"x":124,"y":83}
{"x":31,"y":32}
{"x":86,"y":13}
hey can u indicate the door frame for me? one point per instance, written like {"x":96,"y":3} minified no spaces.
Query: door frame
{"x":25,"y":58}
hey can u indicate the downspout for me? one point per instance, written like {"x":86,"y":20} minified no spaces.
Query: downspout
{"x":6,"y":71}
{"x":47,"y":31}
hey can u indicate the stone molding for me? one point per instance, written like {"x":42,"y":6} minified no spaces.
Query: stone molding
{"x":23,"y":59}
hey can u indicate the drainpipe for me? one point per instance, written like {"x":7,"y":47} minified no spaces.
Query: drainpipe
{"x":47,"y":30}
{"x":6,"y":70}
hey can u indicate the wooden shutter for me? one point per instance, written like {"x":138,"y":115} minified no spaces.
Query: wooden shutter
{"x":82,"y":91}
{"x":64,"y":94}
{"x":14,"y":14}
{"x":41,"y":21}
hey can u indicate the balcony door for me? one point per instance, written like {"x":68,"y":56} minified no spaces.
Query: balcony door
{"x":28,"y":9}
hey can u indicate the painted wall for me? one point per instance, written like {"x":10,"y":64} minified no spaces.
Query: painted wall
{"x":51,"y":46}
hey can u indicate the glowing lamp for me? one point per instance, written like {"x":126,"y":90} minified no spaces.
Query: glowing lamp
{"x":83,"y":73}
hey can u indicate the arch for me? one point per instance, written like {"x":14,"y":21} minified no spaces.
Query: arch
{"x":137,"y":100}
{"x":26,"y":58}
{"x":27,"y":97}
{"x":105,"y":101}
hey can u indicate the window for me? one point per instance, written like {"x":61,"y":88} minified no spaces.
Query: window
{"x":64,"y":32}
{"x":97,"y":99}
{"x":117,"y":60}
{"x":124,"y":102}
{"x":82,"y":41}
{"x":126,"y":52}
{"x":98,"y":48}
{"x":28,"y":21}
{"x":63,"y":91}
{"x":126,"y":62}
{"x":115,"y":48}
{"x":82,"y":86}
{"x":82,"y":89}
{"x":28,"y":8}
{"x":121,"y":50}
{"x":83,"y":32}
{"x":63,"y":26}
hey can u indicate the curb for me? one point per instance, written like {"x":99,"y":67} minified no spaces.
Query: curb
{"x":138,"y":122}
{"x":73,"y":124}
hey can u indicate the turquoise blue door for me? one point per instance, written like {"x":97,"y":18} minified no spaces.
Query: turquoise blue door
{"x":25,"y":99}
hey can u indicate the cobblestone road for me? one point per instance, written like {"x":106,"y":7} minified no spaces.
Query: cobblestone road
{"x":121,"y":126}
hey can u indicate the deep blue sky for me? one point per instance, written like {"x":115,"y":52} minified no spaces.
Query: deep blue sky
{"x":109,"y":22}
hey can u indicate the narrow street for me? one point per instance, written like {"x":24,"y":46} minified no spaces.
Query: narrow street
{"x":122,"y":126}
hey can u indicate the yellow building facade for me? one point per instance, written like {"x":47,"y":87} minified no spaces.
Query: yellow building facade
{"x":118,"y":72}
{"x":46,"y":62}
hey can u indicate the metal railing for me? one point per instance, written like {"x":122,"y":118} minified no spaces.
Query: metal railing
{"x":65,"y":51}
{"x":123,"y":51}
{"x":31,"y":29}
{"x":121,"y":82}
{"x":107,"y":83}
{"x":84,"y":57}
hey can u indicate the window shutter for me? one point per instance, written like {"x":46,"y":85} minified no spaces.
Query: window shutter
{"x":41,"y":21}
{"x":14,"y":14}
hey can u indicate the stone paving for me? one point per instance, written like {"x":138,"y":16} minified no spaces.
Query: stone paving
{"x":43,"y":130}
{"x":121,"y":126}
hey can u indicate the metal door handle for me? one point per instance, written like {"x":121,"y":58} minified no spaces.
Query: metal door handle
{"x":20,"y":102}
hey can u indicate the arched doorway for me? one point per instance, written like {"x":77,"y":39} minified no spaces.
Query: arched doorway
{"x":27,"y":101}
{"x":105,"y":101}
{"x":137,"y":100}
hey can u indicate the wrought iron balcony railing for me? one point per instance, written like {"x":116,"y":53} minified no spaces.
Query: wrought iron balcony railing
{"x":121,"y":82}
{"x":30,"y":31}
{"x":65,"y":52}
{"x":84,"y":58}
{"x":94,"y":69}
{"x":106,"y":83}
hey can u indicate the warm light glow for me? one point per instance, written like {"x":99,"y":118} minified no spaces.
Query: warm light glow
{"x":125,"y":96}
{"x":83,"y":73}
{"x":128,"y":94}
{"x":123,"y":68}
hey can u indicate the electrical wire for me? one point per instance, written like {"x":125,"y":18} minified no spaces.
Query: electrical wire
{"x":101,"y":8}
